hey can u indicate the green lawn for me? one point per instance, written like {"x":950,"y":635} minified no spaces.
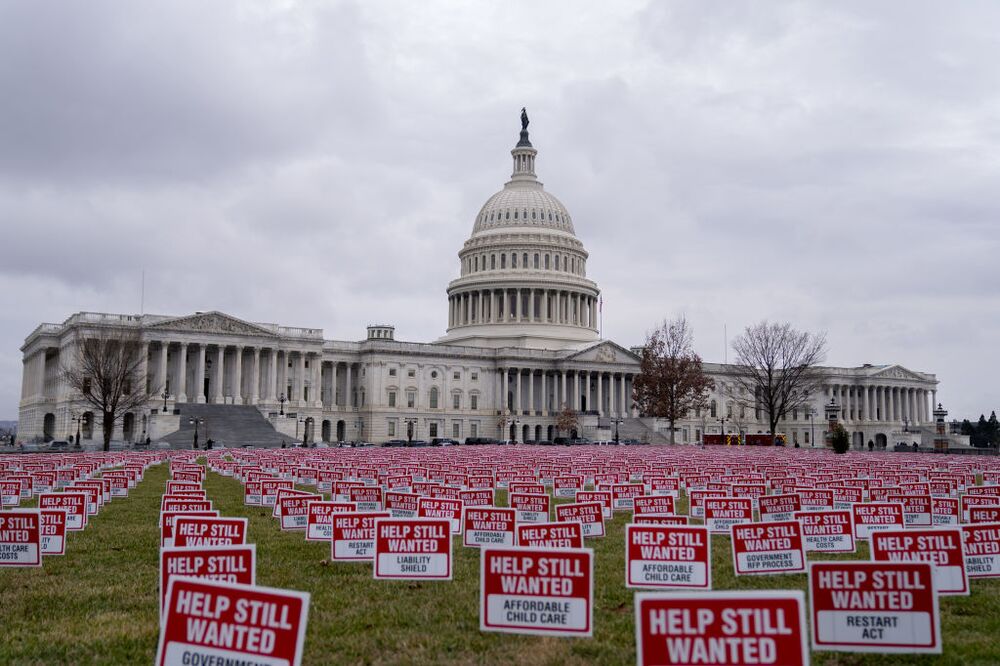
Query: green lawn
{"x":97,"y":604}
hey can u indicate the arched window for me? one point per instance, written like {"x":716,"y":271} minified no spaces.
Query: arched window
{"x":493,"y":262}
{"x":546,"y":262}
{"x":503,"y":261}
{"x":557,"y":262}
{"x":477,"y":263}
{"x":515,"y":214}
{"x":513,"y":260}
{"x":713,"y":409}
{"x":434,"y":397}
{"x":524,"y":260}
{"x":533,"y":213}
{"x":536,"y":260}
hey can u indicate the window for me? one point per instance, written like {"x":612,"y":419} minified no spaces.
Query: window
{"x":456,"y":429}
{"x":805,"y":436}
{"x":536,"y":260}
{"x":307,"y":364}
{"x":473,"y":401}
{"x":476,"y":264}
{"x":524,"y":259}
{"x":557,"y":262}
{"x":475,"y":376}
{"x":474,"y":429}
{"x":503,"y":261}
{"x":457,"y":375}
{"x":411,"y":399}
{"x":434,"y":430}
{"x":305,"y":392}
{"x":729,"y":410}
{"x":697,"y":412}
{"x":434,"y":374}
{"x":546,"y":262}
{"x":411,"y":373}
{"x":87,"y":383}
{"x":456,"y":401}
{"x":392,"y":372}
{"x":493,"y":262}
{"x":391,"y":427}
{"x":513,"y":261}
{"x":713,"y":410}
{"x":392,"y":398}
{"x":434,"y":398}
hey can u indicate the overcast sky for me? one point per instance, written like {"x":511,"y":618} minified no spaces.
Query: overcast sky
{"x":835,"y":165}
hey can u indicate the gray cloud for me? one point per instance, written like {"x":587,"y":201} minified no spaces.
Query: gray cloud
{"x":320,"y":164}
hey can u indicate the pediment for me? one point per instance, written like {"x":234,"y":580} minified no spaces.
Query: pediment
{"x":213,"y":322}
{"x":898,"y":372}
{"x":604,"y":352}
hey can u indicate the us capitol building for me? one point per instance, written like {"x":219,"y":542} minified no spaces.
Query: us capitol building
{"x":522,"y":344}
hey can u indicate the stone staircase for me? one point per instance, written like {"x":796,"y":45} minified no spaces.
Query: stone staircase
{"x":636,"y":429}
{"x":232,"y":425}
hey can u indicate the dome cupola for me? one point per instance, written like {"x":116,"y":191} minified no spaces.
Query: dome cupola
{"x":523,"y":271}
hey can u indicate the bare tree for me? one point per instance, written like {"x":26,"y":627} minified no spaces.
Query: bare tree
{"x":567,"y":420}
{"x":776,"y":366}
{"x":671,"y":381}
{"x":107,"y":374}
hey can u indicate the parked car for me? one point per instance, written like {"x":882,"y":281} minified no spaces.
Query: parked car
{"x":59,"y":445}
{"x":417,"y":442}
{"x":443,"y":441}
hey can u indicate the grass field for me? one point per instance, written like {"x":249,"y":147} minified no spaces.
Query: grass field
{"x":97,"y":604}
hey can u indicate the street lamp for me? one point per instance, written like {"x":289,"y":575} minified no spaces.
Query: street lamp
{"x":78,"y":419}
{"x":722,"y":429}
{"x":164,"y":395}
{"x":195,"y":423}
{"x":617,"y":421}
{"x":281,"y":401}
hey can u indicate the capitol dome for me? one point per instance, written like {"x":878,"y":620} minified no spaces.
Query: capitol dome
{"x":523,"y":276}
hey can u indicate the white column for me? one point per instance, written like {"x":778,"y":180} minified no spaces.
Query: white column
{"x":503,"y":389}
{"x":348,"y":397}
{"x":518,"y":405}
{"x":143,"y":367}
{"x":562,"y":394}
{"x":576,"y":392}
{"x":182,"y":374}
{"x":255,"y":389}
{"x":161,"y":372}
{"x":531,"y":391}
{"x":317,"y":373}
{"x":220,"y":364}
{"x":272,"y":374}
{"x":600,"y":394}
{"x":933,"y":399}
{"x":334,"y":371}
{"x":238,"y":377}
{"x":199,"y":377}
{"x":545,"y":396}
{"x":624,"y":406}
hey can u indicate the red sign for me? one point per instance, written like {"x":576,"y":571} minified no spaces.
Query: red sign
{"x":441,"y":507}
{"x":876,"y":516}
{"x":888,"y":607}
{"x":488,"y":526}
{"x":984,"y":514}
{"x":623,"y":494}
{"x":537,"y":591}
{"x":53,"y":531}
{"x":590,"y":515}
{"x":778,"y":507}
{"x":354,"y":535}
{"x":413,"y":548}
{"x":721,"y":513}
{"x":21,"y":538}
{"x":211,"y":622}
{"x":477,"y":497}
{"x":646,"y":504}
{"x":294,"y":510}
{"x":768,"y":548}
{"x":402,"y":505}
{"x":602,"y":496}
{"x":982,"y":550}
{"x":228,"y":564}
{"x":944,"y":511}
{"x":721,"y":628}
{"x":75,"y":505}
{"x":167,"y":519}
{"x":530,"y":507}
{"x":659,"y":519}
{"x":827,"y":531}
{"x":668,"y":556}
{"x":941,"y":546}
{"x":550,"y":535}
{"x":319,"y":523}
{"x":209,"y":531}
